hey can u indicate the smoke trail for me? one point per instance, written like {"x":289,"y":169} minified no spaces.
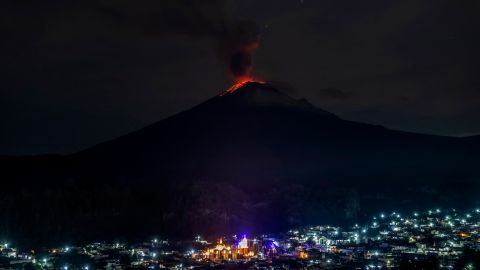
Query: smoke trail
{"x":235,"y":40}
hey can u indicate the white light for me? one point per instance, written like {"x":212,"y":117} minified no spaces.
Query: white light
{"x":382,"y":216}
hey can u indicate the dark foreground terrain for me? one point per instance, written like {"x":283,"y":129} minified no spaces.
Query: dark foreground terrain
{"x":255,"y":159}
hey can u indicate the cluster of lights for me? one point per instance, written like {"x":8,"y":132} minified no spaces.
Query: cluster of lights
{"x":384,"y":227}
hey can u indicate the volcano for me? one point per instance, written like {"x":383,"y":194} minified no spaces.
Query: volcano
{"x":253,"y":159}
{"x":257,"y":134}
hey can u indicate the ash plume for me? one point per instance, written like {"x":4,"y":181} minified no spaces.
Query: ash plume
{"x":234,"y":40}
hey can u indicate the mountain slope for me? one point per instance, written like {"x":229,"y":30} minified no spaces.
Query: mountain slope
{"x":252,"y":160}
{"x":258,"y":132}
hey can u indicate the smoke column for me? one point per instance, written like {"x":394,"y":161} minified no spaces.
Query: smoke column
{"x":234,"y":40}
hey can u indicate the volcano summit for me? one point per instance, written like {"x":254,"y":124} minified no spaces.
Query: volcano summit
{"x":253,"y":159}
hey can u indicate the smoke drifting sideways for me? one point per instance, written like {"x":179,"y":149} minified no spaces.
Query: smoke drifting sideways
{"x":233,"y":39}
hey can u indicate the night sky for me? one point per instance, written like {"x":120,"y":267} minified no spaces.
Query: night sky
{"x":74,"y":75}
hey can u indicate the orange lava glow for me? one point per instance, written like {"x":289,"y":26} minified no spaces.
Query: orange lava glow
{"x":239,"y":83}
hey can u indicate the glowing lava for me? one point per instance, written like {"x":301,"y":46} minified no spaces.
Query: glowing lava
{"x":239,"y":83}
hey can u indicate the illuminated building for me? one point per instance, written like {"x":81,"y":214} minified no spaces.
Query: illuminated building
{"x":303,"y":255}
{"x":243,"y":246}
{"x":220,"y":252}
{"x":271,"y":251}
{"x":244,"y":249}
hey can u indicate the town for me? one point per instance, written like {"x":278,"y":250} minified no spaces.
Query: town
{"x":434,"y":239}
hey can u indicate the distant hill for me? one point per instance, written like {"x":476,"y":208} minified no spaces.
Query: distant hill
{"x":252,"y":160}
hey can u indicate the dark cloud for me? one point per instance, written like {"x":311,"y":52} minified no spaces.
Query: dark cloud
{"x":215,"y":20}
{"x":235,"y":39}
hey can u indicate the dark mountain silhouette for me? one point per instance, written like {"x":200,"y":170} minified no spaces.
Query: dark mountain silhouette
{"x":255,"y":159}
